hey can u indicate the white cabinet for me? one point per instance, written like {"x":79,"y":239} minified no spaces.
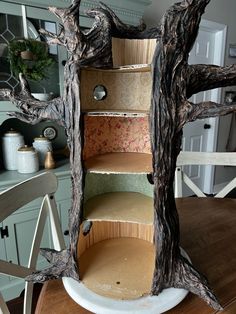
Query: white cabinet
{"x":17,"y":230}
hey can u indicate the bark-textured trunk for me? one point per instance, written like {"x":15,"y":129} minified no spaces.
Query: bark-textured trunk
{"x":75,"y":140}
{"x":170,"y":66}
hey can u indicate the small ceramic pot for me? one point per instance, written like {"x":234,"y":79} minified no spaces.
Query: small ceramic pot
{"x":27,"y":160}
{"x":11,"y":141}
{"x":42,"y":146}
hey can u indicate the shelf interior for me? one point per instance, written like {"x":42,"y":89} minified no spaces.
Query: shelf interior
{"x":116,"y":163}
{"x":119,"y":268}
{"x":120,"y":206}
{"x":125,"y":89}
{"x":132,"y":51}
{"x":105,"y":134}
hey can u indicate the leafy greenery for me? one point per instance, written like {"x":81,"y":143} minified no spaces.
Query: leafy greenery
{"x":34,"y":69}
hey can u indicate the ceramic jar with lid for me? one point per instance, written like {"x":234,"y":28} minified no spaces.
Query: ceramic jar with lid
{"x":11,"y":141}
{"x":27,"y":160}
{"x":42,"y":145}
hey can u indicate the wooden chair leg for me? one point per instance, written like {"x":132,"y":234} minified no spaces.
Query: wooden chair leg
{"x":28,"y":297}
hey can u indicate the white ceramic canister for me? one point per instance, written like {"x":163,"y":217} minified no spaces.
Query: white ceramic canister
{"x":27,"y":160}
{"x":11,"y":141}
{"x":42,"y":145}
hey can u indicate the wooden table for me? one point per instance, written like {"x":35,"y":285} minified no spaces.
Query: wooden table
{"x":208,"y":235}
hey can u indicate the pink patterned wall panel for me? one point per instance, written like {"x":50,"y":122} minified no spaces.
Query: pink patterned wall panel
{"x":116,"y":134}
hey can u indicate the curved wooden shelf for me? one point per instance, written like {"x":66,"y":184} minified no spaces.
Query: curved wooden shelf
{"x":115,"y":163}
{"x":124,"y":69}
{"x":116,"y":113}
{"x":120,"y":206}
{"x":110,"y":268}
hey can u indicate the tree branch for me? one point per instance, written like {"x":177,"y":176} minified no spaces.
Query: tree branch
{"x":122,"y":30}
{"x":64,"y":13}
{"x":31,"y":109}
{"x":62,"y":265}
{"x":203,"y":77}
{"x":56,"y":39}
{"x":209,"y":109}
{"x":5,"y":93}
{"x":189,"y":111}
{"x":34,"y":111}
{"x":94,"y":47}
{"x":73,"y":37}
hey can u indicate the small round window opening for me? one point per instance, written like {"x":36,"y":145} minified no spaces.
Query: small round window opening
{"x":99,"y":92}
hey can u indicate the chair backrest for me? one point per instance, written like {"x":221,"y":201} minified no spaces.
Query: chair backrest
{"x":43,"y":185}
{"x":202,"y":158}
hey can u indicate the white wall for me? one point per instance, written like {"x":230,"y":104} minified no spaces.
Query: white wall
{"x":223,"y":12}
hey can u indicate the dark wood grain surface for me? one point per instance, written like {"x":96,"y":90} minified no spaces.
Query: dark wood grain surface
{"x":208,"y":235}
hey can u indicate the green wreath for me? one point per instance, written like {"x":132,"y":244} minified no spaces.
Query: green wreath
{"x":33,"y":66}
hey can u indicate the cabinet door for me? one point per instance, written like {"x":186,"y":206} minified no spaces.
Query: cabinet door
{"x":37,"y":18}
{"x":17,"y":22}
{"x":21,"y":227}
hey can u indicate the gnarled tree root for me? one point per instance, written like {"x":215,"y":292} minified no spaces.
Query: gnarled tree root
{"x":63,"y":265}
{"x":185,"y":276}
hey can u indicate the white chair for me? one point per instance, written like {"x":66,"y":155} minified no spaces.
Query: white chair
{"x":43,"y":185}
{"x":202,"y":158}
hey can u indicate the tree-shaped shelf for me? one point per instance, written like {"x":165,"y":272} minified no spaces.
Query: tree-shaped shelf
{"x":126,"y":93}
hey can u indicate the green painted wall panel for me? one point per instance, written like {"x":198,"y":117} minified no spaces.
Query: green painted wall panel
{"x":96,"y":184}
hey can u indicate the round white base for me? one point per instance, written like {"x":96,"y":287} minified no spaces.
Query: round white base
{"x":95,"y":303}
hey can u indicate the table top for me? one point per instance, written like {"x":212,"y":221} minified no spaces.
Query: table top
{"x":208,"y":235}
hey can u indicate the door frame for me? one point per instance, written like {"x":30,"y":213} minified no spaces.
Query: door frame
{"x":220,"y":32}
